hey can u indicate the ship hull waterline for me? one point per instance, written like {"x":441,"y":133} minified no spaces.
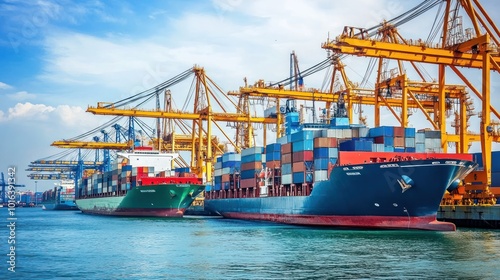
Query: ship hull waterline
{"x":360,"y":196}
{"x":165,"y":200}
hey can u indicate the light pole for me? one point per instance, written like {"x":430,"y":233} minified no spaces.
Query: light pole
{"x":36,"y":194}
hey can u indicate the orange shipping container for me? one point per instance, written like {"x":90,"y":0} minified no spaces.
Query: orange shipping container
{"x":399,"y":142}
{"x":286,"y":158}
{"x":298,"y":167}
{"x":254,"y":165}
{"x":325,"y":142}
{"x":273,"y":164}
{"x":286,"y":148}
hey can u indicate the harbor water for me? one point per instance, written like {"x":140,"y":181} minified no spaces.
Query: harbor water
{"x":71,"y":245}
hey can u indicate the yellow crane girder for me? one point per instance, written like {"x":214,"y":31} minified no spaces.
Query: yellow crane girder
{"x":228,"y":117}
{"x":92,"y":145}
{"x":329,"y":97}
{"x":416,"y":53}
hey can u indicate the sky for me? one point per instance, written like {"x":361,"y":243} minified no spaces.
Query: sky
{"x":60,"y":56}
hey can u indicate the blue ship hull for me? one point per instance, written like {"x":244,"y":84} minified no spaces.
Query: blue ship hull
{"x":403,"y":194}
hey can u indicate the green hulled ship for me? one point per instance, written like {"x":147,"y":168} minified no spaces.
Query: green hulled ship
{"x":146,"y":186}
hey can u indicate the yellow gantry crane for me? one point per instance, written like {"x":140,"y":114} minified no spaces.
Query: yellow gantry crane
{"x":423,"y":95}
{"x":474,"y":48}
{"x":203,"y":118}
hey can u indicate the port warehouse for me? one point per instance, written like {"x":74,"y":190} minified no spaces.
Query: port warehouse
{"x":308,"y":154}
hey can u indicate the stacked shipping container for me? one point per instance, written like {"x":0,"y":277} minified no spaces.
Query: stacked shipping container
{"x":308,"y":155}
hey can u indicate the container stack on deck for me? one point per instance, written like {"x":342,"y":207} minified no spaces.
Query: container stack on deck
{"x":302,"y":156}
{"x":120,"y":179}
{"x":308,"y":152}
{"x":226,"y":171}
{"x":251,"y":167}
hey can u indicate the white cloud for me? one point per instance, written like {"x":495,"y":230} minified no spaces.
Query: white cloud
{"x":59,"y":116}
{"x":21,"y":95}
{"x":28,"y":111}
{"x":5,"y":86}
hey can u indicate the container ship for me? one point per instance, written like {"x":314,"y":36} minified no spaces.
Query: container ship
{"x":62,"y":197}
{"x":144,"y":186}
{"x":340,"y":175}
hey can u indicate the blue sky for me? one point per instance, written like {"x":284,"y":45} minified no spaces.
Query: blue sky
{"x":60,"y":56}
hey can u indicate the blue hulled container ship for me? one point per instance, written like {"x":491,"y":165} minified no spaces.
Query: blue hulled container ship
{"x":340,"y":176}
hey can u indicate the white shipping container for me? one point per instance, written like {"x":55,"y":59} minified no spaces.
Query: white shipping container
{"x":364,"y":132}
{"x":282,"y":140}
{"x":218,"y":165}
{"x":320,"y":175}
{"x":286,"y":179}
{"x":218,"y":172}
{"x":347,"y":133}
{"x":420,"y":137}
{"x":329,"y":133}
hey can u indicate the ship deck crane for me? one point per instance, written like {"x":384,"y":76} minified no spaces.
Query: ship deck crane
{"x":478,"y":49}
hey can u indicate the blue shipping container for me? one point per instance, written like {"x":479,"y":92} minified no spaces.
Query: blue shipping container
{"x":333,"y":152}
{"x":339,"y":122}
{"x":306,"y":145}
{"x":303,"y":135}
{"x":248,"y":174}
{"x":382,"y":131}
{"x":274,"y":147}
{"x":409,"y":132}
{"x":321,"y":153}
{"x":251,"y":158}
{"x":298,"y":177}
{"x":286,"y":168}
{"x":388,"y":149}
{"x":231,"y":164}
{"x":321,"y":163}
{"x":410,"y":149}
{"x":272,"y":156}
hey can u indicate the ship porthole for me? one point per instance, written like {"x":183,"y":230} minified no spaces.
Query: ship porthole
{"x":376,"y":204}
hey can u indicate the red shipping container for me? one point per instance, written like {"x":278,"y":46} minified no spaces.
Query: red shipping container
{"x":333,"y":142}
{"x":286,"y":148}
{"x":251,"y":165}
{"x":378,"y":140}
{"x":303,"y":156}
{"x":399,"y":131}
{"x":248,"y":183}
